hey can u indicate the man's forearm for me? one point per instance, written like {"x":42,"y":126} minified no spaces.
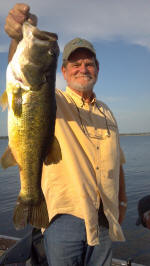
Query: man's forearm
{"x":12,"y":49}
{"x":122,"y":196}
{"x":122,"y":188}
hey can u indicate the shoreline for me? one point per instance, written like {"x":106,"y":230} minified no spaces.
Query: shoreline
{"x":135,"y":134}
{"x":121,"y":134}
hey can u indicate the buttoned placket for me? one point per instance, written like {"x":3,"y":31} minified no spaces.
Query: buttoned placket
{"x":97,"y":169}
{"x":96,"y":142}
{"x":92,"y":111}
{"x":91,"y":108}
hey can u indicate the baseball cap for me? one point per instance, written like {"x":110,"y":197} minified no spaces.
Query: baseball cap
{"x":143,"y":206}
{"x":75,"y":44}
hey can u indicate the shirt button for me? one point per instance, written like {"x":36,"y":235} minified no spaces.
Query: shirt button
{"x":97,"y":147}
{"x":97,"y":168}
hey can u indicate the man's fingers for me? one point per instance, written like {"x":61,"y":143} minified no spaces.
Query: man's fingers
{"x":18,"y":14}
{"x":23,"y":8}
{"x":15,"y":19}
{"x":14,"y":31}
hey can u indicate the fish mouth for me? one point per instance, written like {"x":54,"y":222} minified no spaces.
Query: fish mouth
{"x":45,"y":35}
{"x":29,"y":30}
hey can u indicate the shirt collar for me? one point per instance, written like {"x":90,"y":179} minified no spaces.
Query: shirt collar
{"x":78,"y":99}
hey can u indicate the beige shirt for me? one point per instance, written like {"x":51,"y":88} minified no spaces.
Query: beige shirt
{"x":89,"y":169}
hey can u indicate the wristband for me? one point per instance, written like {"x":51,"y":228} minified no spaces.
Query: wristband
{"x":123,"y":203}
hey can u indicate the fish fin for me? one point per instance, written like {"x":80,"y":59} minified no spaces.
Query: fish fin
{"x":17,"y":102}
{"x":36,"y":215}
{"x":39,"y":215}
{"x":54,"y":155}
{"x":4,"y":100}
{"x":7,"y":159}
{"x":21,"y":214}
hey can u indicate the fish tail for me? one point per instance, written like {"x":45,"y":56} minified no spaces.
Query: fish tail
{"x":39,"y":215}
{"x":36,"y":215}
{"x":20,"y":216}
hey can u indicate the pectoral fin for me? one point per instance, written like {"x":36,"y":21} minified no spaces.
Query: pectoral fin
{"x":7,"y":159}
{"x":54,"y":154}
{"x":17,"y":102}
{"x":4,"y":100}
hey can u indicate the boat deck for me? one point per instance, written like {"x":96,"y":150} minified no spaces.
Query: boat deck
{"x":7,"y":242}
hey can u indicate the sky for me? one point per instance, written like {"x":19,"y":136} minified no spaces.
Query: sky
{"x":120,"y":33}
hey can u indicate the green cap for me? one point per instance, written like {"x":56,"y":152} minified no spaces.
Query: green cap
{"x":75,"y":44}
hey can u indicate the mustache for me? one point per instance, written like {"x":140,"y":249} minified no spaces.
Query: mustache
{"x":84,"y":76}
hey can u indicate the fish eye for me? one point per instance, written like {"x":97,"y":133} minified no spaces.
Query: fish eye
{"x":50,"y":52}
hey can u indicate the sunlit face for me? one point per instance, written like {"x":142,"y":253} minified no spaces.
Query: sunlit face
{"x":81,"y":70}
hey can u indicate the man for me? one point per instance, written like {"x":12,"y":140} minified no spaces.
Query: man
{"x":85,"y":191}
{"x":144,"y":212}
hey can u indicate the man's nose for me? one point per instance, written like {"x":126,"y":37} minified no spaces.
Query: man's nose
{"x":83,"y":68}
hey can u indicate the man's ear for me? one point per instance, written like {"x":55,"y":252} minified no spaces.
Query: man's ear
{"x":63,"y":70}
{"x":97,"y":65}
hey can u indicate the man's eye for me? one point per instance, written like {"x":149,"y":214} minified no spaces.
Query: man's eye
{"x":76,"y":65}
{"x":89,"y":64}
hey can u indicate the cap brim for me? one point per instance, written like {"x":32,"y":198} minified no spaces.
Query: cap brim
{"x":81,"y":47}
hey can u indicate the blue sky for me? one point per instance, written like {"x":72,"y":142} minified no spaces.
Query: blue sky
{"x":120,"y":32}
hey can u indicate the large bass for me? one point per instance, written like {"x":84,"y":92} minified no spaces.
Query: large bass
{"x":30,"y":92}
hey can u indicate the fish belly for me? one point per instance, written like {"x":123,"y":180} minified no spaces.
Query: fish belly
{"x":29,"y":137}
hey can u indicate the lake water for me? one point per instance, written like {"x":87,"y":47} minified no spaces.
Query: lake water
{"x":137,"y":174}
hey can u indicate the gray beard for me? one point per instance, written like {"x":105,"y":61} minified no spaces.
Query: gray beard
{"x":77,"y":86}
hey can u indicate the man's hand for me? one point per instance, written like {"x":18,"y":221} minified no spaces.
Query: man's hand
{"x":16,"y":17}
{"x":13,"y":27}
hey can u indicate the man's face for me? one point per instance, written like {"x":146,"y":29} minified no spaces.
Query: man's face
{"x":81,"y":70}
